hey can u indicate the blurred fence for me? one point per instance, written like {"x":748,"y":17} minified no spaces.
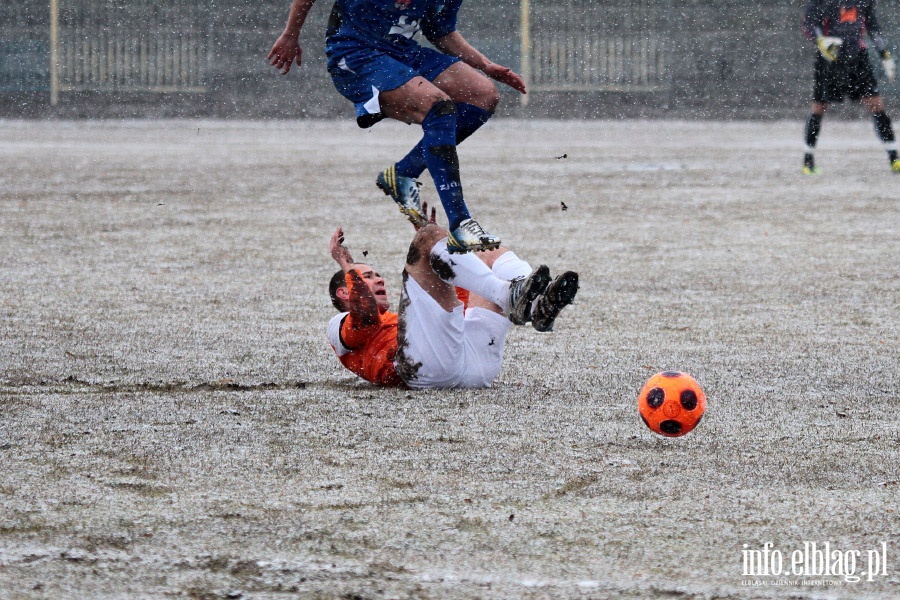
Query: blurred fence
{"x":595,"y":45}
{"x":139,"y":45}
{"x":581,"y":58}
{"x":104,"y":46}
{"x":24,"y":47}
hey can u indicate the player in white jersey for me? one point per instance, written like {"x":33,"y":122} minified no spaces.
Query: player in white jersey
{"x":455,"y":311}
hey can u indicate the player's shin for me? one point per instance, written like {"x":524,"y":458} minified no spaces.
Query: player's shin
{"x":509,"y":266}
{"x":811,"y":137}
{"x":468,"y":272}
{"x":469,"y":119}
{"x":885,"y":131}
{"x":439,"y":142}
{"x":413,"y":163}
{"x":813,"y":127}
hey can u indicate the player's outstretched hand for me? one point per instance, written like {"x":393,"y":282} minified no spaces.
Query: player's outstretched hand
{"x":432,"y":220}
{"x":339,"y":252}
{"x":507,"y":76}
{"x":285,"y":51}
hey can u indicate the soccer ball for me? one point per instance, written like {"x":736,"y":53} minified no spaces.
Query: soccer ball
{"x":671,"y":403}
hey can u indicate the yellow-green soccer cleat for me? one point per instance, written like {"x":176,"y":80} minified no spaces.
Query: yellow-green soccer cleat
{"x":809,"y":165}
{"x":470,"y":236}
{"x":895,"y":166}
{"x":405,"y":192}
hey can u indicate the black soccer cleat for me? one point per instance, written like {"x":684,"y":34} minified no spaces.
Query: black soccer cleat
{"x":559,"y":294}
{"x":809,"y":165}
{"x":523,"y":291}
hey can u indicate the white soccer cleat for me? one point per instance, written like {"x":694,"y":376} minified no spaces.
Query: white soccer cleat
{"x":471,"y":236}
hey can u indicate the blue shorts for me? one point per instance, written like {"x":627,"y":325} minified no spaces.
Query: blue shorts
{"x":361,"y":73}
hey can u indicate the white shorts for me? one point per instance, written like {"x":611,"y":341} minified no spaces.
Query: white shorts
{"x":440,"y":349}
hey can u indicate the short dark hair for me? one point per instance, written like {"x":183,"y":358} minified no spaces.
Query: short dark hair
{"x":336,"y":283}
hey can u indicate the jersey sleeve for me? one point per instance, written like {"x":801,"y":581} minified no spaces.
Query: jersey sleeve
{"x":344,"y":338}
{"x":443,"y":22}
{"x":364,"y":318}
{"x":334,"y":334}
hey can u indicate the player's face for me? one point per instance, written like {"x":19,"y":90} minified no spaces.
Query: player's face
{"x":376,"y":285}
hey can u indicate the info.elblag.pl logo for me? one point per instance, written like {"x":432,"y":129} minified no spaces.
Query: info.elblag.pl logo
{"x":814,"y":559}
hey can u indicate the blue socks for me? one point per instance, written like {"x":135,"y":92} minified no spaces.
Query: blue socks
{"x":439,"y":151}
{"x":468,"y":119}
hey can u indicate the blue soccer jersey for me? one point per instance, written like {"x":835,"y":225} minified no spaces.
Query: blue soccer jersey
{"x":370,"y":47}
{"x":389,"y":25}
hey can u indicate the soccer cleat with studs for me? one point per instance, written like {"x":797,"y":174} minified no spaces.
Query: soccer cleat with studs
{"x":471,"y":236}
{"x":809,"y":165}
{"x":558,"y":295}
{"x":405,"y":192}
{"x":523,"y":291}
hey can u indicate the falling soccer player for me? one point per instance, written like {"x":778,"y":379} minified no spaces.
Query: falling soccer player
{"x":437,"y":340}
{"x":375,"y":63}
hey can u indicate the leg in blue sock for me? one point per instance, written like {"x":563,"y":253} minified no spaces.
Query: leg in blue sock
{"x":439,"y":150}
{"x":469,"y":118}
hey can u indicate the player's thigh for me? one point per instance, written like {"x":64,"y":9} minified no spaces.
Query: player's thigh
{"x":476,"y":301}
{"x":426,"y":269}
{"x":382,"y":86}
{"x":411,"y":101}
{"x":430,"y":340}
{"x":862,"y":81}
{"x":464,"y":84}
{"x":874,"y":104}
{"x":820,"y":82}
{"x":831,"y":82}
{"x":485,"y":344}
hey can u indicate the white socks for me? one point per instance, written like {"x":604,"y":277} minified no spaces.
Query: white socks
{"x":468,"y":272}
{"x":509,"y":266}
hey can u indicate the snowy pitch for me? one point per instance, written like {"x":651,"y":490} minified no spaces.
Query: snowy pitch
{"x":173,"y":422}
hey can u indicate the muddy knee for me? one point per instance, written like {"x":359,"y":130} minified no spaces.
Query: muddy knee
{"x":423,"y":242}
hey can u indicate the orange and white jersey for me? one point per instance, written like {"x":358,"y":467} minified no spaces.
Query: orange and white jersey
{"x":424,"y":346}
{"x":372,"y":356}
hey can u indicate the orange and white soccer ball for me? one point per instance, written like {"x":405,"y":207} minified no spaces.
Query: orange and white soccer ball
{"x":671,"y":403}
